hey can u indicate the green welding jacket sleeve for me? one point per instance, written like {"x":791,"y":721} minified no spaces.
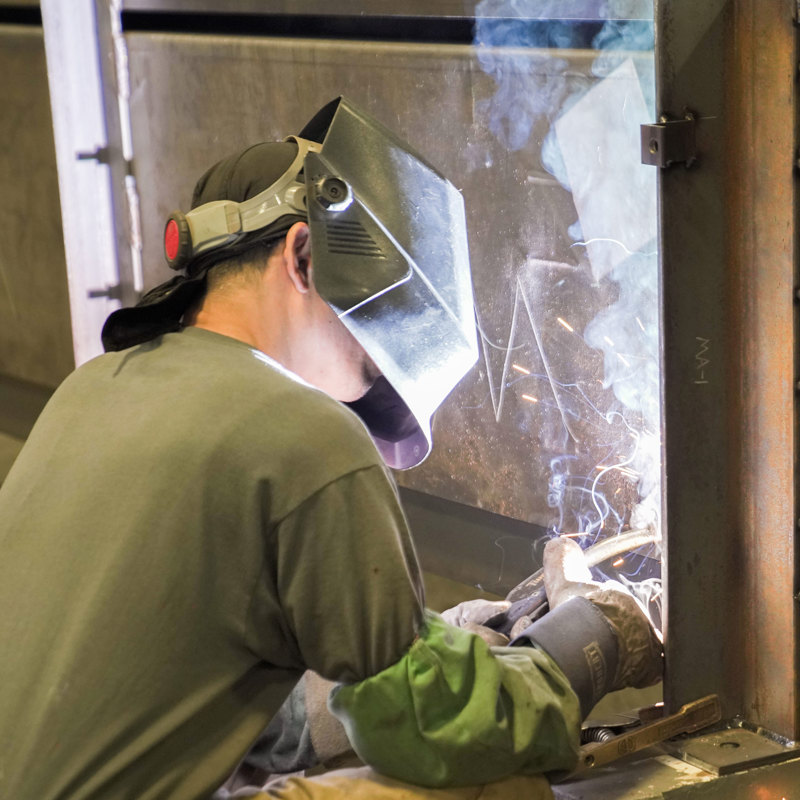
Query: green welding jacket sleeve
{"x":453,"y":711}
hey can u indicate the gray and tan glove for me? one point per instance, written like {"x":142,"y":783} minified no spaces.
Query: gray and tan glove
{"x":640,"y":652}
{"x":597,"y":633}
{"x":472,"y":615}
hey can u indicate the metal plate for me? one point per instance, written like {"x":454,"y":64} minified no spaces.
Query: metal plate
{"x":536,"y":9}
{"x":733,"y":750}
{"x":196,"y":99}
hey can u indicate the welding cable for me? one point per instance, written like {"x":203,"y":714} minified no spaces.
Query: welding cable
{"x":529,"y":599}
{"x":594,"y":555}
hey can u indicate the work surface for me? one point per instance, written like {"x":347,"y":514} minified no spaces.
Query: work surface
{"x":654,"y":774}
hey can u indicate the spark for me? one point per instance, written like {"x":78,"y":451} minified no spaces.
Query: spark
{"x":529,"y":398}
{"x":518,"y":368}
{"x":609,"y":341}
{"x":566,"y":325}
{"x":640,"y":324}
{"x":545,"y":361}
{"x":619,"y":562}
{"x":622,"y":359}
{"x":611,"y":241}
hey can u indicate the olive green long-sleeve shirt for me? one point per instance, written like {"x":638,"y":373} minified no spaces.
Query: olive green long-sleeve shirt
{"x":188,"y":528}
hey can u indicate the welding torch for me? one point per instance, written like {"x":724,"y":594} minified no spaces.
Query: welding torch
{"x":528,"y":598}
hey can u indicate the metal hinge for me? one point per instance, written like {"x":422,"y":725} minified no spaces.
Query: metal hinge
{"x":669,"y":141}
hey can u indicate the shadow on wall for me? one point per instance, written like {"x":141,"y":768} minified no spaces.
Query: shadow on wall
{"x":9,"y":449}
{"x":21,"y":403}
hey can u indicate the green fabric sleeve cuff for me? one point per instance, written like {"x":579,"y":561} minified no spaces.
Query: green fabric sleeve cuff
{"x":454,"y":711}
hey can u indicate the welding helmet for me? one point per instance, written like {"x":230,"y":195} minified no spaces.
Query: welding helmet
{"x":389,"y":254}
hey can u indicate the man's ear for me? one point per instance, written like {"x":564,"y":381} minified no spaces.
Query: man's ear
{"x":297,"y":256}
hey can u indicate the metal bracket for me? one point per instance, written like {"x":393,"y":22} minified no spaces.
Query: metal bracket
{"x":740,"y":746}
{"x":669,"y":141}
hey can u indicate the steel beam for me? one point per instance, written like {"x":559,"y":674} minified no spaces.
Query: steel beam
{"x":727,"y":251}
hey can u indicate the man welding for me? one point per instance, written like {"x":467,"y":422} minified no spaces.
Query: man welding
{"x":198,"y":517}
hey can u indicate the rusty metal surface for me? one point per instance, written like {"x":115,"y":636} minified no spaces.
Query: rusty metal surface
{"x":35,"y":336}
{"x":760,"y":190}
{"x":727,"y":252}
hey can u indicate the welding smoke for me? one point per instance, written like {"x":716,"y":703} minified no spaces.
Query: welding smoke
{"x":592,"y":150}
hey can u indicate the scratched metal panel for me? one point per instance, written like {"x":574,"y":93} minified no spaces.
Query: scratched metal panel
{"x":35,"y":333}
{"x":565,"y":9}
{"x":522,"y":445}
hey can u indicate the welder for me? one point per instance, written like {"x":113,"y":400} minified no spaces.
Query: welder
{"x":206,"y":511}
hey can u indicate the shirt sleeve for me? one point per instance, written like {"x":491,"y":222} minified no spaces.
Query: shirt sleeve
{"x":453,"y":711}
{"x":347,"y":578}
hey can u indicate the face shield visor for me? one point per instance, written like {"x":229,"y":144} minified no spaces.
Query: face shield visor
{"x":391,"y":258}
{"x":389,"y":254}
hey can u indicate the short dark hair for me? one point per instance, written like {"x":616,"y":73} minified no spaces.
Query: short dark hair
{"x":251,"y":260}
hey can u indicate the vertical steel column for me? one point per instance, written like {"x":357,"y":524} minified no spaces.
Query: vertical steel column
{"x":727,"y":233}
{"x":760,"y":147}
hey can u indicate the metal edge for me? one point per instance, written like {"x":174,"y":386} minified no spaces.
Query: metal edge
{"x":568,"y":9}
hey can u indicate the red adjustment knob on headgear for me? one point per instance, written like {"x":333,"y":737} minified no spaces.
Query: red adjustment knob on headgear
{"x":177,"y":240}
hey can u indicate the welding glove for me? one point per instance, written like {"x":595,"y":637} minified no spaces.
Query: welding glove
{"x":472,"y":615}
{"x":596,"y":632}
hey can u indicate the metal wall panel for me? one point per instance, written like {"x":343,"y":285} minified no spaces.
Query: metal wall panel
{"x":196,"y":99}
{"x":564,"y":9}
{"x":35,"y":334}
